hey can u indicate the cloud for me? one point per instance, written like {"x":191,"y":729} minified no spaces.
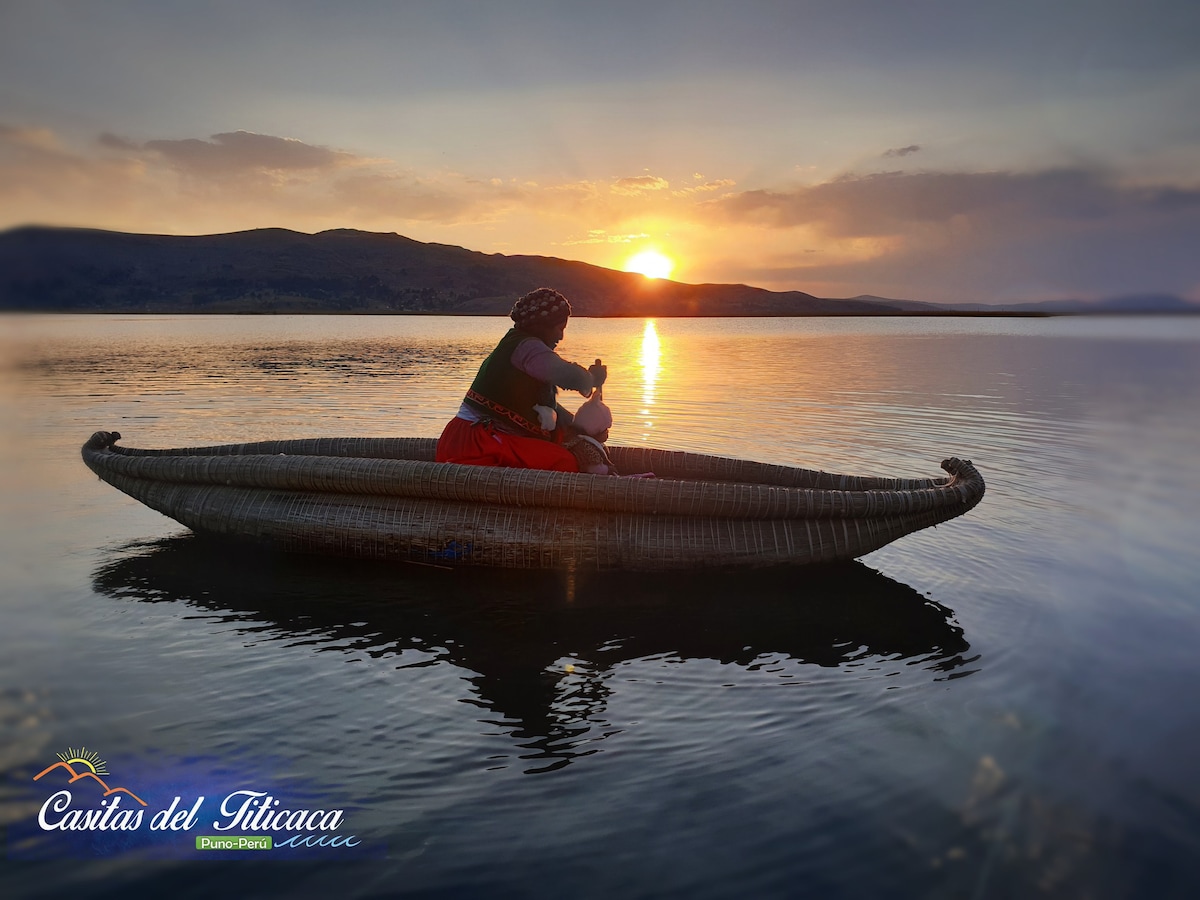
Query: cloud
{"x":902,"y":151}
{"x":600,"y":236}
{"x":639,"y":184}
{"x":21,"y":138}
{"x":34,"y":162}
{"x":241,"y":151}
{"x":111,"y":141}
{"x":581,"y":189}
{"x":893,"y":203}
{"x":705,"y":188}
{"x":973,"y":236}
{"x":236,"y":180}
{"x":245,"y":179}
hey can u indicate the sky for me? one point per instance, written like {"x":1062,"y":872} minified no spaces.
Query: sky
{"x":938,"y":150}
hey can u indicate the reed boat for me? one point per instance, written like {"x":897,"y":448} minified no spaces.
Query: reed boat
{"x":386,"y":498}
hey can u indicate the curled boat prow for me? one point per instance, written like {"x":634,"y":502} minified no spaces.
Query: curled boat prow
{"x":101,"y":440}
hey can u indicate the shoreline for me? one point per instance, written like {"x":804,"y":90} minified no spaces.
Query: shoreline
{"x":898,"y":314}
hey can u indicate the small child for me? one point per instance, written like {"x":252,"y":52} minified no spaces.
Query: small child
{"x":593,"y":419}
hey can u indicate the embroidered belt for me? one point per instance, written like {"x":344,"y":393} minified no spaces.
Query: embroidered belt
{"x":504,"y":412}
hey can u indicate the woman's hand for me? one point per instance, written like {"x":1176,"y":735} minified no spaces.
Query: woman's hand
{"x":599,"y":373}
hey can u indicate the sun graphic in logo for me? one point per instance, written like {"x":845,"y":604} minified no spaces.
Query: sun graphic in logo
{"x":86,"y":757}
{"x":85,"y":764}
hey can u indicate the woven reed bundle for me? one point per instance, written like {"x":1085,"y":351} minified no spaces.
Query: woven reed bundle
{"x":381,"y":497}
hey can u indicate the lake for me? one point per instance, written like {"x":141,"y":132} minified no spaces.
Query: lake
{"x":1007,"y":705}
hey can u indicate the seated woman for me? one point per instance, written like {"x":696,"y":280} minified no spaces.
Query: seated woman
{"x":510,"y":416}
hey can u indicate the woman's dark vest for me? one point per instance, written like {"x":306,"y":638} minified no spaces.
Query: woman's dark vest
{"x":502,"y":391}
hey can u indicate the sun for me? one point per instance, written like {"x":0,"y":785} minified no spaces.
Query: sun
{"x":650,"y":263}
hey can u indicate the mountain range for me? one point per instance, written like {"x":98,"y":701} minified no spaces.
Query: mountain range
{"x":274,"y":270}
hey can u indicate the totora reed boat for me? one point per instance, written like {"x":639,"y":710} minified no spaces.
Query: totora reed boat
{"x":385,"y":498}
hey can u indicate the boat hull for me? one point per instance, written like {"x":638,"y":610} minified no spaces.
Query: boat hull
{"x":386,"y":499}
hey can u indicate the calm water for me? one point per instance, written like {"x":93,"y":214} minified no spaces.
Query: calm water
{"x":1005,"y":706}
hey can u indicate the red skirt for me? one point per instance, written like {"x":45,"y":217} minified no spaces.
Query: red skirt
{"x":480,"y":444}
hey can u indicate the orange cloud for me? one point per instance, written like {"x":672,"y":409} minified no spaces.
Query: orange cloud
{"x":705,"y":188}
{"x":38,"y":174}
{"x":242,"y":179}
{"x":41,"y":140}
{"x":639,"y":184}
{"x":600,"y":236}
{"x":236,"y":180}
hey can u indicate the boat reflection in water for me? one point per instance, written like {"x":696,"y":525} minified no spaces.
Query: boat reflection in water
{"x":540,"y":646}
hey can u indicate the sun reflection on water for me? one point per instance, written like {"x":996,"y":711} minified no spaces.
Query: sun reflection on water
{"x":651,"y":356}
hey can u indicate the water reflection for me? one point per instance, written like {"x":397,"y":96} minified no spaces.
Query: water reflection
{"x":651,"y":356}
{"x":541,"y":649}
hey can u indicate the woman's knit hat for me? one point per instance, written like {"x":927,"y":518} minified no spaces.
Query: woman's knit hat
{"x":541,"y":307}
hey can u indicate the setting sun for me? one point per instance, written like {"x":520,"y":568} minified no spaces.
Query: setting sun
{"x":650,"y":263}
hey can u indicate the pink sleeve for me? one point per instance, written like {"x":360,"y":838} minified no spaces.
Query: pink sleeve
{"x":537,"y":360}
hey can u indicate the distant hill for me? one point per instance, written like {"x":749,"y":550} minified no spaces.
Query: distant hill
{"x":915,"y":305}
{"x":344,"y":271}
{"x":276,"y":270}
{"x":1134,"y":303}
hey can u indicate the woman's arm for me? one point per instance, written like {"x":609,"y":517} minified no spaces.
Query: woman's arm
{"x":537,"y":360}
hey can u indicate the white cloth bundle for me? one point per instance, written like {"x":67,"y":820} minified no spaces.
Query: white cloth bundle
{"x":593,"y":416}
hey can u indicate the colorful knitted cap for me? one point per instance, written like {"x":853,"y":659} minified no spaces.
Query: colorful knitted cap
{"x":541,"y":307}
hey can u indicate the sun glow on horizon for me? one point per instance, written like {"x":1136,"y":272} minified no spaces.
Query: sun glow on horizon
{"x":650,"y":263}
